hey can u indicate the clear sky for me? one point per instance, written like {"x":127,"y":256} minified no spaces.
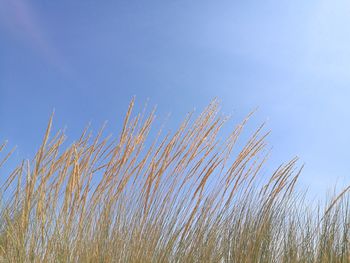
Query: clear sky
{"x":86,"y":59}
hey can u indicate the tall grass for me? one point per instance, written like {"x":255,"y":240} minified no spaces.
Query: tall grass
{"x":186,"y":196}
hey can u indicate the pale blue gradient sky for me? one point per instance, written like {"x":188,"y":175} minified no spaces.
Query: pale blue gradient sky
{"x":88,"y":58}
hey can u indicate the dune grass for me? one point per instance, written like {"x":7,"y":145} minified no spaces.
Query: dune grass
{"x":183,"y":196}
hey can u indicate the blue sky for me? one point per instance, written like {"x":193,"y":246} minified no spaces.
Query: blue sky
{"x":86,"y":59}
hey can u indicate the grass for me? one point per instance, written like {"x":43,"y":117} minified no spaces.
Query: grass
{"x":186,"y":196}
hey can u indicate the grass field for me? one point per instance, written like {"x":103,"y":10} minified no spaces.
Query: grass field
{"x":184,"y":196}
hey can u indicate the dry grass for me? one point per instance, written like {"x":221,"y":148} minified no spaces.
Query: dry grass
{"x":187,"y":196}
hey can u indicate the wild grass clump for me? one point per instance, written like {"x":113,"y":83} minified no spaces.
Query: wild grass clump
{"x":186,"y":196}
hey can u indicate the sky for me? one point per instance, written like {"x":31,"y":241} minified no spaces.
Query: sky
{"x":86,"y":60}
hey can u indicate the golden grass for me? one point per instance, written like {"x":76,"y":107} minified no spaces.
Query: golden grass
{"x":186,"y":196}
